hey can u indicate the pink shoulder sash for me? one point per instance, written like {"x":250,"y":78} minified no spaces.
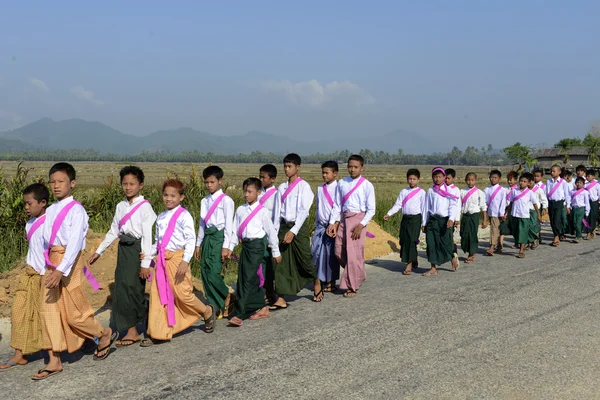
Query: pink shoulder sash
{"x":268,"y":194}
{"x":290,"y":188}
{"x":535,"y":189}
{"x":36,"y":225}
{"x":493,"y":196}
{"x":578,"y":192}
{"x":247,"y":220}
{"x":128,"y":216}
{"x":591,"y":185}
{"x":327,"y":195}
{"x":469,"y":194}
{"x":523,"y":193}
{"x":444,"y":193}
{"x":347,"y":195}
{"x":162,"y":277}
{"x":557,"y":184}
{"x":213,"y":207}
{"x":410,"y":196}
{"x":510,"y":189}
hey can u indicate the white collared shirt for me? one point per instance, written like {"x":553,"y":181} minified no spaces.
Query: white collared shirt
{"x":541,"y":196}
{"x":324,"y":209}
{"x":414,"y":206}
{"x":562,"y":193}
{"x":297,"y":204}
{"x":475,"y":203}
{"x":184,"y":236}
{"x":436,"y":204}
{"x":139,"y":226}
{"x":273,"y":205}
{"x":497,"y":208}
{"x":520,"y":208}
{"x":259,"y":226}
{"x":71,"y":234}
{"x":222,"y":218}
{"x":361,"y":200}
{"x":37,"y":247}
{"x":581,"y":200}
{"x":594,"y":191}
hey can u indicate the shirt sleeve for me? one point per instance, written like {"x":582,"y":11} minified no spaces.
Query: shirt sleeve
{"x":234,"y":241}
{"x":111,"y":235}
{"x":201,"y":225}
{"x":271,"y":234}
{"x":154,"y":249}
{"x":276,"y":210}
{"x":482,"y":202}
{"x":398,"y":204}
{"x":305,"y":198}
{"x":189,"y":236}
{"x":148,"y":219}
{"x":567,"y":195}
{"x":543,"y":199}
{"x":317,"y":204}
{"x":228,"y":211}
{"x":77,"y":219}
{"x":370,"y":194}
{"x":587,"y":203}
{"x":426,"y":208}
{"x":336,"y":212}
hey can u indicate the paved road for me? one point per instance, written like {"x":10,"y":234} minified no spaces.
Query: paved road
{"x":502,"y":328}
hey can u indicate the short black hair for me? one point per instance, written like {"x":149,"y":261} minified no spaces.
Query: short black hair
{"x":132,"y":170}
{"x":333,"y":165}
{"x":470,"y":174}
{"x":566,"y":172}
{"x":580,"y":179}
{"x":590,"y":172}
{"x":581,"y":168}
{"x":512,"y":174}
{"x":292,"y":158}
{"x":538,"y":171}
{"x":527,"y":175}
{"x":496,"y":172}
{"x":357,"y":157}
{"x":63,"y":167}
{"x":270,"y":170}
{"x":451,"y":172}
{"x":213,"y":170}
{"x":413,"y":172}
{"x":40,"y":192}
{"x":252,"y":182}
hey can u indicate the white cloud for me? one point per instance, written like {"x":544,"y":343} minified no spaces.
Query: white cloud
{"x":314,"y":94}
{"x":86,"y":95}
{"x":39,"y":84}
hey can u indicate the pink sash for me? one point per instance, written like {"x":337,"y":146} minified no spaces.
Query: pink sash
{"x":213,"y":208}
{"x":591,"y":185}
{"x":523,"y":193}
{"x":557,"y":184}
{"x":247,"y":220}
{"x":347,"y":195}
{"x":268,"y":194}
{"x":38,"y":222}
{"x":127,"y":216}
{"x":327,"y":195}
{"x":510,"y":191}
{"x":410,"y":196}
{"x":535,"y":189}
{"x":444,"y":193}
{"x":289,"y":189}
{"x":543,"y":186}
{"x":162,"y":278}
{"x":469,"y":194}
{"x":55,"y":228}
{"x":493,"y":196}
{"x":577,"y":193}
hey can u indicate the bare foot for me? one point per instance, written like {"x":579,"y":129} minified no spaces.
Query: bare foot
{"x":260,"y":314}
{"x":17,"y":359}
{"x":350,"y":293}
{"x":431,"y":272}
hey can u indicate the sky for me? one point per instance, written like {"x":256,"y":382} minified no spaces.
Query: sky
{"x":459,"y":72}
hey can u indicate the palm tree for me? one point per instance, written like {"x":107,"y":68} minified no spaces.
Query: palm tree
{"x":592,"y":145}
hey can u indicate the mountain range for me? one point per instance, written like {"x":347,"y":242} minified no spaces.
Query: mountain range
{"x":46,"y":134}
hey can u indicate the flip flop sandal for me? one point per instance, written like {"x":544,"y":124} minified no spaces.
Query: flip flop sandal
{"x":429,"y":273}
{"x":407,"y":272}
{"x":147,"y":342}
{"x":521,"y":255}
{"x":350,"y":293}
{"x":113,"y":339}
{"x":230,"y":307}
{"x":276,"y":307}
{"x":209,"y":326}
{"x":555,"y":244}
{"x":48,"y":372}
{"x":489,"y":253}
{"x":316,"y":296}
{"x":12,"y":365}
{"x":126,"y":342}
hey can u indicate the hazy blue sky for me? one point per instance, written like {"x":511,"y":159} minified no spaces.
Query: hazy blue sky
{"x":462,"y":71}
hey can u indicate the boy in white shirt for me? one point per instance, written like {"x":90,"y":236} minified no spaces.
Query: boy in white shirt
{"x":557,"y":191}
{"x":535,"y":232}
{"x":495,"y":200}
{"x":579,"y":207}
{"x":593,"y":188}
{"x":473,"y":205}
{"x":520,"y":201}
{"x":270,"y":198}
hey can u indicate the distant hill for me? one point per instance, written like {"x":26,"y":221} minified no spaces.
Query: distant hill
{"x":46,"y":134}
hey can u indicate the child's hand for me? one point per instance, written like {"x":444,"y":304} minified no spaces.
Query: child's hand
{"x":53,"y":279}
{"x":197,"y":253}
{"x":568,"y":211}
{"x":182,"y":269}
{"x":144,"y":273}
{"x":93,"y":258}
{"x":357,"y":231}
{"x":539,"y":217}
{"x":225,"y":254}
{"x":289,"y":237}
{"x":424,"y":229}
{"x":456,"y":223}
{"x":484,"y":224}
{"x":386,"y":217}
{"x":504,"y":218}
{"x":142,"y":256}
{"x":450,"y":224}
{"x":331,"y":230}
{"x":277,"y":259}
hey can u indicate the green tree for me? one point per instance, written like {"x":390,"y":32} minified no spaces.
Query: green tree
{"x":520,"y":155}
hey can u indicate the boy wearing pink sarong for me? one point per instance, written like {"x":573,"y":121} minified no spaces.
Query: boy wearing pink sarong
{"x":353,"y":210}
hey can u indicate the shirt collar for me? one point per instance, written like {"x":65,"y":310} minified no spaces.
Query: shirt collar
{"x":216,"y":194}
{"x":66,"y":200}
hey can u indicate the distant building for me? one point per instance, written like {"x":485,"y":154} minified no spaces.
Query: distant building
{"x":549,"y":157}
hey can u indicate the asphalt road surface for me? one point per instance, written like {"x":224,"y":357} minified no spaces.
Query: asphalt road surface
{"x":502,"y":328}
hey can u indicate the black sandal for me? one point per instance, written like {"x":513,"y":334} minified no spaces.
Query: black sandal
{"x":113,"y":339}
{"x":316,"y":296}
{"x":47,"y":371}
{"x":209,"y":325}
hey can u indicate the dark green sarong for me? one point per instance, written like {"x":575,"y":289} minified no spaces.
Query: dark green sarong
{"x":578,"y":214}
{"x":556,"y":211}
{"x":410,"y":229}
{"x":534,"y":226}
{"x":250,"y":297}
{"x":128,"y":305}
{"x":593,"y":217}
{"x":215,"y":289}
{"x":296,"y":269}
{"x":506,"y":226}
{"x":469,"y":227}
{"x":440,"y":243}
{"x":569,"y":226}
{"x":520,"y":229}
{"x":269,"y":274}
